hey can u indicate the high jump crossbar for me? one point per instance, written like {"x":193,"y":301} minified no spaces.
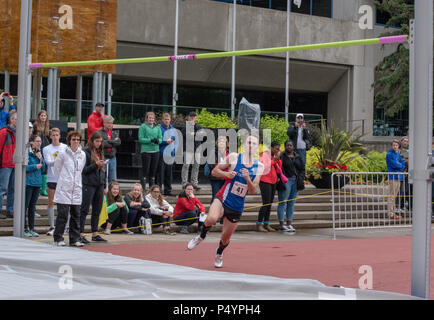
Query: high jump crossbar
{"x":381,"y":40}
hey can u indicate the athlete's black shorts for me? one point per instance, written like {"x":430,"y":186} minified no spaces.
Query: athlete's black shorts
{"x":232,"y":215}
{"x":52,"y":185}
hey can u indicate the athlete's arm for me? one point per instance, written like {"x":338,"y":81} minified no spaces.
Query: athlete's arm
{"x":253,"y":185}
{"x":230,"y":162}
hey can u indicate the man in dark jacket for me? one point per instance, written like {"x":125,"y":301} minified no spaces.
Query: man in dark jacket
{"x":300,"y":136}
{"x":7,"y":166}
{"x":110,"y":143}
{"x":190,"y":158}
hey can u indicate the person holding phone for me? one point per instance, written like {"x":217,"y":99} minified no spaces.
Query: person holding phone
{"x":300,"y":136}
{"x":110,"y":142}
{"x":4,"y":115}
{"x":94,"y":183}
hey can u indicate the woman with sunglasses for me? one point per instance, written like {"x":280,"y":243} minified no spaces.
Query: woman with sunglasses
{"x":68,"y":195}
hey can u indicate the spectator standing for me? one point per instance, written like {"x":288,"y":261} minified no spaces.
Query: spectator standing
{"x":41,"y":127}
{"x":150,"y":138}
{"x":292,"y":165}
{"x":267,"y":185}
{"x":95,"y":121}
{"x":117,"y":209}
{"x":395,"y":164}
{"x":405,"y":186}
{"x":94,"y":183}
{"x":138,"y":208}
{"x":167,"y":151}
{"x":4,"y":115}
{"x":51,"y":153}
{"x":190,"y":158}
{"x":34,"y":169}
{"x":300,"y":136}
{"x":221,"y":152}
{"x":7,"y":166}
{"x":68,"y":195}
{"x":161,"y":210}
{"x":187,"y":208}
{"x":110,"y":143}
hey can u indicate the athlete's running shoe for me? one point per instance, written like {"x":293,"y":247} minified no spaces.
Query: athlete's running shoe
{"x":218,"y":261}
{"x":194,"y":242}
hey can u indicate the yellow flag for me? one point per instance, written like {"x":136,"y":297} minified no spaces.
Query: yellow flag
{"x":103,"y":216}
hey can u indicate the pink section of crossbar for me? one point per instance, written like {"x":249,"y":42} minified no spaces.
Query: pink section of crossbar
{"x":35,"y":65}
{"x":393,"y":39}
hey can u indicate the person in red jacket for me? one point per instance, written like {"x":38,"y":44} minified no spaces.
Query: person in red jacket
{"x":187,"y":208}
{"x":7,"y":166}
{"x":268,"y":186}
{"x":95,"y":121}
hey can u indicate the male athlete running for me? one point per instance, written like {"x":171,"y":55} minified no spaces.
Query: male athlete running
{"x":242,"y":176}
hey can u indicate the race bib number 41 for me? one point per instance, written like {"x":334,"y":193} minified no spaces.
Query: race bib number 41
{"x":239,"y":189}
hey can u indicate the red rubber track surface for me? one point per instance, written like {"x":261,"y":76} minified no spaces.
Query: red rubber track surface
{"x":332,"y":262}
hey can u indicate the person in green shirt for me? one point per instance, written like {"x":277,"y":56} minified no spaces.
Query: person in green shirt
{"x":150,"y":137}
{"x":117,"y":209}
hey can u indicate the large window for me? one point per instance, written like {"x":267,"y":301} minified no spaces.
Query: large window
{"x":381,"y":17}
{"x":321,"y":8}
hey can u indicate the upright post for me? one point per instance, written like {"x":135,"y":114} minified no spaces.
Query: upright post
{"x":22,"y":132}
{"x":109,"y":94}
{"x":422,"y":125}
{"x":234,"y":33}
{"x":7,"y":88}
{"x":175,"y":63}
{"x":79,"y":93}
{"x":288,"y":20}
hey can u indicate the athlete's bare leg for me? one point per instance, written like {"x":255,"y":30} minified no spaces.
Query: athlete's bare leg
{"x":214,"y":214}
{"x":227,"y":231}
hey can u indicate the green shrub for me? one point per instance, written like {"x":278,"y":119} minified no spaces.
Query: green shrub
{"x":278,"y":127}
{"x":214,"y":120}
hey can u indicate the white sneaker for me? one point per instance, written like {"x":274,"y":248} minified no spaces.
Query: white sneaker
{"x":50,"y":232}
{"x":194,"y":242}
{"x":77,"y":244}
{"x":290,"y":228}
{"x":107,"y":232}
{"x":60,"y":243}
{"x":218,"y":261}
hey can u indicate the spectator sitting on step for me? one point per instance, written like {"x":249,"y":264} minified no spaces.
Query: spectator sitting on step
{"x":138,"y":207}
{"x":161,"y":210}
{"x":117,"y":209}
{"x":187,"y":208}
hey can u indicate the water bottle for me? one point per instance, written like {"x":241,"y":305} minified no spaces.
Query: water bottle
{"x":148,"y":223}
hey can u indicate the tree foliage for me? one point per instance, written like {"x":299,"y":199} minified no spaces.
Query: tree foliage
{"x":392,"y":74}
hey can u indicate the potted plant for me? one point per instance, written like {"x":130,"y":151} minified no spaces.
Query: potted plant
{"x":337,"y":148}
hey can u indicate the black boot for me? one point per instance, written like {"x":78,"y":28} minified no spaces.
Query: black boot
{"x":143,"y":183}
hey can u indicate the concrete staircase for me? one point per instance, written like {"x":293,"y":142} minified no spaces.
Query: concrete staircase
{"x":313,"y":209}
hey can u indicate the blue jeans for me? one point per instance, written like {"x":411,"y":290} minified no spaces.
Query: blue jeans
{"x":32,"y":195}
{"x":186,"y":215}
{"x":111,"y":171}
{"x":302,"y":154}
{"x":7,"y":183}
{"x":284,"y":205}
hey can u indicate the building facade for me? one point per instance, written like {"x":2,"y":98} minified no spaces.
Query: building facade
{"x":332,"y":83}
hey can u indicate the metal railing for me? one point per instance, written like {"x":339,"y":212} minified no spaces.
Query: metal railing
{"x":366,"y":200}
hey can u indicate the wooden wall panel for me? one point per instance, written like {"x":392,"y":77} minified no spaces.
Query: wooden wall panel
{"x":92,"y":37}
